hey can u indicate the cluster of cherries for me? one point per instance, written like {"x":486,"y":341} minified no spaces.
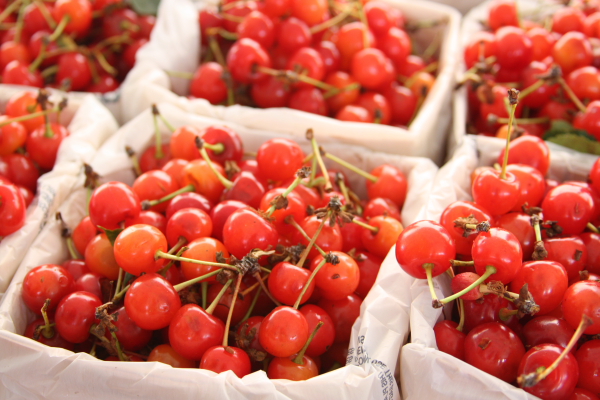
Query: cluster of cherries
{"x":553,"y":63}
{"x":29,"y":142}
{"x":80,"y":45}
{"x":525,"y":262}
{"x":341,"y":59}
{"x":236,"y":264}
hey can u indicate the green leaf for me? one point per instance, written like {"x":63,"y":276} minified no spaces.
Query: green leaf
{"x":145,"y":6}
{"x":577,"y":142}
{"x":560,"y":127}
{"x":112,"y":235}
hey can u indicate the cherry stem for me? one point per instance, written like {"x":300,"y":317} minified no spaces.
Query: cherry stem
{"x":505,"y":314}
{"x":540,"y":251}
{"x":10,"y":9}
{"x":231,"y":307}
{"x":60,"y":28}
{"x":513,"y":97}
{"x":317,"y":152}
{"x":72,"y":250}
{"x":49,"y":71}
{"x":162,"y":254}
{"x":489,"y":270}
{"x":363,"y":18}
{"x":224,"y":181}
{"x":312,"y":241}
{"x":125,"y":38}
{"x":148,"y":204}
{"x":372,"y":228}
{"x":532,"y":88}
{"x":180,"y":74}
{"x":134,"y":160}
{"x":214,"y":47}
{"x":256,"y":285}
{"x":521,"y":121}
{"x":119,"y":283}
{"x":333,"y":21}
{"x":216,"y":148}
{"x":300,"y":356}
{"x":301,"y":174}
{"x":459,"y":263}
{"x":29,"y":116}
{"x":592,"y":228}
{"x":309,"y":281}
{"x":19,"y":25}
{"x":45,"y":13}
{"x":40,"y":58}
{"x":351,"y":167}
{"x":122,"y":356}
{"x":204,"y":290}
{"x":541,"y":373}
{"x":580,"y":106}
{"x":428,"y":269}
{"x":217,"y":299}
{"x":158,"y":152}
{"x":336,"y":90}
{"x":109,"y":69}
{"x":253,"y":304}
{"x":264,"y":288}
{"x":47,"y":330}
{"x":178,"y":251}
{"x":290,"y":220}
{"x":461,"y":312}
{"x":295,"y":77}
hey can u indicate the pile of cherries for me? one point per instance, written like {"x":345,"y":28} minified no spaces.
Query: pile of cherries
{"x":553,"y":62}
{"x":525,"y":262}
{"x":216,"y":260}
{"x":344,"y":59}
{"x":80,"y":45}
{"x":29,"y":140}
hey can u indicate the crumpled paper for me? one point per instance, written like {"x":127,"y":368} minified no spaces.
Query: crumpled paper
{"x":376,"y":336}
{"x":177,"y":30}
{"x":89,"y":124}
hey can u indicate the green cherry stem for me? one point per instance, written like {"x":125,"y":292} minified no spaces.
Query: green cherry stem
{"x":428,"y":269}
{"x":253,"y":304}
{"x":231,"y":307}
{"x":572,"y":96}
{"x":224,"y":181}
{"x":47,"y":330}
{"x":513,"y":98}
{"x":134,"y":160}
{"x":541,"y":373}
{"x":351,"y":167}
{"x":373,"y":229}
{"x":204,"y":290}
{"x":539,"y":252}
{"x":29,"y":116}
{"x":279,"y":202}
{"x":309,"y":281}
{"x":300,"y":356}
{"x":148,"y":204}
{"x":592,"y":228}
{"x":60,"y":28}
{"x":264,"y":288}
{"x":185,"y":284}
{"x":489,"y":270}
{"x":162,"y":254}
{"x":461,"y":312}
{"x":317,"y":152}
{"x":158,"y":152}
{"x":119,"y":283}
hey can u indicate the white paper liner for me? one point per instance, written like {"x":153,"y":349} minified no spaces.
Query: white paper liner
{"x":89,"y":124}
{"x":177,"y":30}
{"x":425,"y":372}
{"x":376,"y":336}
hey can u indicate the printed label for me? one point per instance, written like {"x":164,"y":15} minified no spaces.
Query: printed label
{"x":359,"y":356}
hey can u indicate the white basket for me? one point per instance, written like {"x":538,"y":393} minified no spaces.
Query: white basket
{"x":177,"y":30}
{"x":425,"y":372}
{"x":89,"y":124}
{"x":376,"y":336}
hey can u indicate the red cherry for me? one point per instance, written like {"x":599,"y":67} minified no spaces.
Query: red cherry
{"x":583,"y":298}
{"x":152,"y":302}
{"x":243,"y":59}
{"x":48,"y":281}
{"x":283,"y":332}
{"x":219,"y":359}
{"x":192,"y":331}
{"x":449,"y":339}
{"x":75,"y":315}
{"x":12,"y":209}
{"x":588,"y":360}
{"x":500,"y":249}
{"x":111,"y":203}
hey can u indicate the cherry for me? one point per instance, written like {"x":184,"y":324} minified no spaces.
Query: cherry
{"x":351,"y":39}
{"x":239,"y":11}
{"x":165,"y":354}
{"x":208,"y":19}
{"x":136,"y":246}
{"x":312,"y":12}
{"x":368,"y":68}
{"x":245,"y":230}
{"x":391,"y":183}
{"x":48,"y":281}
{"x":543,"y":42}
{"x":381,"y":241}
{"x":343,"y":313}
{"x":293,"y":34}
{"x":219,"y":359}
{"x":547,"y":329}
{"x":519,"y":224}
{"x":585,"y":83}
{"x":582,"y":298}
{"x":286,"y":282}
{"x":591,"y":241}
{"x":279,"y":159}
{"x":207,"y":83}
{"x":79,"y":13}
{"x":287,"y":368}
{"x":17,"y":73}
{"x":495,"y":349}
{"x":130,"y":336}
{"x":74,"y":71}
{"x":189,"y":223}
{"x":449,"y":339}
{"x":572,"y":51}
{"x":25,"y":103}
{"x":244,"y":58}
{"x":368,"y":265}
{"x":100,"y":258}
{"x":485,"y":40}
{"x":283,"y":332}
{"x":90,"y":282}
{"x":568,"y":19}
{"x":310,"y":100}
{"x":561,"y":382}
{"x":336,"y":280}
{"x":188,"y":200}
{"x":487,"y":309}
{"x":75,"y":315}
{"x":329,"y":54}
{"x":193,"y":331}
{"x":12,"y":209}
{"x":227,"y":144}
{"x":382,"y":17}
{"x":152,"y":302}
{"x":582,"y":394}
{"x":589,"y":366}
{"x":403,"y":103}
{"x":502,"y":13}
{"x":570,"y":252}
{"x":54,"y":339}
{"x":532,"y":186}
{"x":500,"y":249}
{"x":571,"y":206}
{"x":111,"y":203}
{"x":76,"y":267}
{"x":149,"y":218}
{"x":20,"y":170}
{"x":221,"y":310}
{"x":154,"y":185}
{"x":221,"y":212}
{"x":202,"y":249}
{"x":199,"y":174}
{"x":547,"y":282}
{"x":271,"y":92}
{"x":43,"y":144}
